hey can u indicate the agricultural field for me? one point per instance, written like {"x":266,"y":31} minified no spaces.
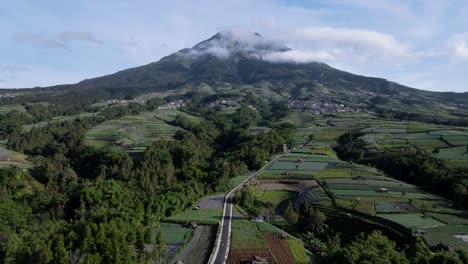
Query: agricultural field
{"x":4,"y":109}
{"x":412,"y":220}
{"x":449,"y":143}
{"x":199,"y":248}
{"x":245,"y":235}
{"x":175,"y":237}
{"x":277,"y":197}
{"x":200,"y":216}
{"x":265,"y":227}
{"x":56,"y":119}
{"x":295,"y":185}
{"x":279,"y":248}
{"x":133,"y":133}
{"x":298,"y":251}
{"x":367,"y":190}
{"x":448,"y":235}
{"x":12,"y":158}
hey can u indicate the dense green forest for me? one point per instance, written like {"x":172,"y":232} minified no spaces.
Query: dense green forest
{"x":83,"y":204}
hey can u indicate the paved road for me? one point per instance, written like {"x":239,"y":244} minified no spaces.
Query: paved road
{"x":222,"y":247}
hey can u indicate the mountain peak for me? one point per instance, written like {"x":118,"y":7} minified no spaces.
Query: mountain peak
{"x":225,"y":43}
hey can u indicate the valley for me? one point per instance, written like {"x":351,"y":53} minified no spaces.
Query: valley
{"x":198,"y":158}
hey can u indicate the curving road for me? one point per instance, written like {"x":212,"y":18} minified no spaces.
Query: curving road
{"x":221,"y":252}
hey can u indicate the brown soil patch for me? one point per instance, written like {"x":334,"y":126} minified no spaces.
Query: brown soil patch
{"x":296,"y":185}
{"x":279,"y":248}
{"x":238,"y":256}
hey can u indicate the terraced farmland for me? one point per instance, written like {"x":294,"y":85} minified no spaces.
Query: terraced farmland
{"x":134,"y":133}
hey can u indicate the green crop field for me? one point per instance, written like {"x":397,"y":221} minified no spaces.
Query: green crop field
{"x":298,"y":251}
{"x":412,"y":220}
{"x":134,"y":132}
{"x":245,"y":235}
{"x":8,"y":108}
{"x":173,"y":233}
{"x":457,"y":140}
{"x":201,"y":216}
{"x":265,"y":227}
{"x":334,"y":173}
{"x":451,"y":219}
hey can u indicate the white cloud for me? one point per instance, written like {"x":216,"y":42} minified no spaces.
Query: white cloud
{"x":461,"y":50}
{"x":79,"y":36}
{"x":299,"y":56}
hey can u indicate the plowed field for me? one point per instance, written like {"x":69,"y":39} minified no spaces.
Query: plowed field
{"x":237,"y":256}
{"x":279,"y":248}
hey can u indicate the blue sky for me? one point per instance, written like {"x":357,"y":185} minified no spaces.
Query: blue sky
{"x":419,"y":43}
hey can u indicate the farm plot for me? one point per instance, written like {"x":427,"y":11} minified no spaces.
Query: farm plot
{"x":133,"y":132}
{"x":279,"y":247}
{"x":457,"y":140}
{"x":265,"y":227}
{"x":384,"y":130}
{"x":304,"y":166}
{"x":277,"y":200}
{"x":453,"y":153}
{"x":200,"y":216}
{"x":447,"y":235}
{"x":12,"y":158}
{"x":412,"y":220}
{"x":448,"y":132}
{"x":173,"y":233}
{"x":245,"y":235}
{"x":198,"y":250}
{"x":428,"y":144}
{"x":4,"y":109}
{"x":175,"y":237}
{"x":334,"y":173}
{"x":450,"y":219}
{"x":394,"y":207}
{"x":298,"y":251}
{"x":212,"y":202}
{"x":296,"y":185}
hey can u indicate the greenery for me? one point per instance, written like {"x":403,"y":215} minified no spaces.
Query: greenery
{"x":245,"y":235}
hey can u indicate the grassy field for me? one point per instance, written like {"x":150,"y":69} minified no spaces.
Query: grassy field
{"x":235,"y":181}
{"x":245,"y":235}
{"x":173,"y":233}
{"x":201,"y":216}
{"x":412,"y":220}
{"x":277,"y":200}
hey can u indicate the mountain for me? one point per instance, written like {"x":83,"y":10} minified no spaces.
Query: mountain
{"x":244,"y":58}
{"x":242,"y":62}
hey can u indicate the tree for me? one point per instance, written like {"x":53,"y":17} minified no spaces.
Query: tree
{"x":291,"y":216}
{"x":59,"y":253}
{"x":372,"y":248}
